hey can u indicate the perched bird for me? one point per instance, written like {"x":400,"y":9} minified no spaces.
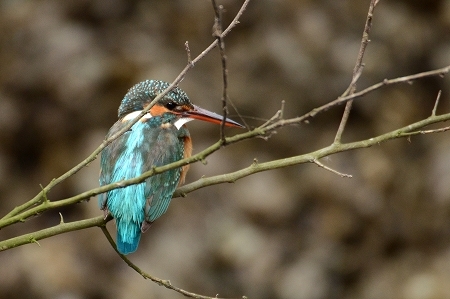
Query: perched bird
{"x":160,"y":137}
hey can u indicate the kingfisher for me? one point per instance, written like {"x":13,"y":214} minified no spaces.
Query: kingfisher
{"x":158,"y":138}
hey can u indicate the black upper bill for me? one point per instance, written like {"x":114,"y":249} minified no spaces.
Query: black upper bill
{"x":206,"y":115}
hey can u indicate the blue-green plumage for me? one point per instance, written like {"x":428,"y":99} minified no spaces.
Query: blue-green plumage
{"x":157,"y":139}
{"x":147,"y":144}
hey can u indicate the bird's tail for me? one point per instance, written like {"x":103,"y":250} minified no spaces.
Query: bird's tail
{"x":128,"y":236}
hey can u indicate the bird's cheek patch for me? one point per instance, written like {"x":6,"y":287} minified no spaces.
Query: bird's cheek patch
{"x":157,"y":110}
{"x":133,"y":115}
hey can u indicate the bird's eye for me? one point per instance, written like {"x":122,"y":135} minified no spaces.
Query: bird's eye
{"x":171,"y":105}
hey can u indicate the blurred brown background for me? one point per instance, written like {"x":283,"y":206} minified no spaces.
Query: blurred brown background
{"x":300,"y":232}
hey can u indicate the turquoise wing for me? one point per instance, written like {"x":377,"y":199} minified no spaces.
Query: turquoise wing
{"x":108,"y":160}
{"x":159,"y":189}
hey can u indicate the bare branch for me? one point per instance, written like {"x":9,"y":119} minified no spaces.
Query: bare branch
{"x":436,"y":103}
{"x":217,"y":33}
{"x":343,"y":123}
{"x":406,"y":79}
{"x":357,"y":71}
{"x":188,"y":52}
{"x":162,"y":282}
{"x":440,"y":130}
{"x":307,"y":158}
{"x":407,"y":131}
{"x":61,"y":228}
{"x":277,"y":116}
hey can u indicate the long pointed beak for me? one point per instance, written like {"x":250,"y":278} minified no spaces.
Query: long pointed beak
{"x":206,"y":115}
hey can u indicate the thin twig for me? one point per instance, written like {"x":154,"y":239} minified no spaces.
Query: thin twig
{"x":357,"y":71}
{"x":217,"y":33}
{"x":405,"y":79}
{"x":277,"y":116}
{"x":440,"y":130}
{"x":436,"y":103}
{"x":343,"y":175}
{"x":343,"y":123}
{"x":283,"y":103}
{"x":188,"y":52}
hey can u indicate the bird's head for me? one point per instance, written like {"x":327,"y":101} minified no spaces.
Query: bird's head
{"x":175,"y":101}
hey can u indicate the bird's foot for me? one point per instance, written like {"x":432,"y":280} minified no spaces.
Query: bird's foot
{"x":145,"y":226}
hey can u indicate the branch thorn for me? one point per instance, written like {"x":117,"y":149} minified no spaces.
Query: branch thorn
{"x":33,"y":240}
{"x":343,"y":175}
{"x":433,"y":112}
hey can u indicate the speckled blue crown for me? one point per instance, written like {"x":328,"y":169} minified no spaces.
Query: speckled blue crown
{"x":144,"y":92}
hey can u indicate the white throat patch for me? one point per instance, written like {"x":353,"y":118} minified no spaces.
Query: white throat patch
{"x":180,"y":122}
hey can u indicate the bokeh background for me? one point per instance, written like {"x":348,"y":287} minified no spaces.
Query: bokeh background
{"x":299,"y":232}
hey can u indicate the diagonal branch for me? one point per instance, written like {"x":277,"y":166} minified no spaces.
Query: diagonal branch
{"x":340,"y":100}
{"x":357,"y":71}
{"x":162,"y":282}
{"x":52,"y":231}
{"x":255,"y":167}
